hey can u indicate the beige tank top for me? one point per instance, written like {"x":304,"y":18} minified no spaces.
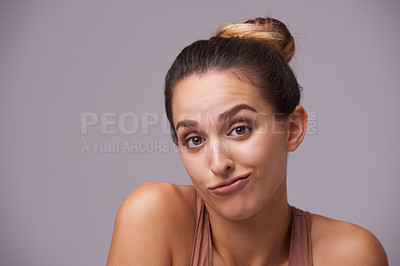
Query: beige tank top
{"x":300,"y":253}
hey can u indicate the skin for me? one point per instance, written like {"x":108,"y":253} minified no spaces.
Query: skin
{"x":249,"y":226}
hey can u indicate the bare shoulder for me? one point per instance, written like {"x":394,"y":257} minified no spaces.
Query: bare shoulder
{"x":342,"y":243}
{"x":155,"y":218}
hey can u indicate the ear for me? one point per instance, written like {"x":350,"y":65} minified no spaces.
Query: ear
{"x":297,"y":126}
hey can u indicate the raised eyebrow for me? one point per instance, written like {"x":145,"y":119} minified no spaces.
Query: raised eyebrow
{"x":186,"y":123}
{"x":225,"y":115}
{"x":234,"y":110}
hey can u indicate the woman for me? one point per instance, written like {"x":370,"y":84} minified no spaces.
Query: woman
{"x":233,"y":104}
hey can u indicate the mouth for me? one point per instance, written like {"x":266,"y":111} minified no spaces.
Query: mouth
{"x":230,"y":185}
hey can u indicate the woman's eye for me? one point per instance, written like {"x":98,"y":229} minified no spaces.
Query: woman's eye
{"x":193,"y":141}
{"x":241,"y":130}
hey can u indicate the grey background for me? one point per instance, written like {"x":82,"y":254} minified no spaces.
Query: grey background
{"x":61,"y":59}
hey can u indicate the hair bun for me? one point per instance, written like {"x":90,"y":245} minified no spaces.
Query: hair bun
{"x":267,"y":30}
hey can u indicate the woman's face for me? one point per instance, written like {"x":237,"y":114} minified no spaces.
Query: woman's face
{"x":226,"y":131}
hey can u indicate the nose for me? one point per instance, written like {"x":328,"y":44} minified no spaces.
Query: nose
{"x":221,"y":163}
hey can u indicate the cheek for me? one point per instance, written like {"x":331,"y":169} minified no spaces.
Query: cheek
{"x":265,"y":152}
{"x":195,"y":165}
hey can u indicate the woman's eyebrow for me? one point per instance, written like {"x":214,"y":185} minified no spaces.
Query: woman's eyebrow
{"x":234,"y":110}
{"x":186,"y":123}
{"x":222,"y":117}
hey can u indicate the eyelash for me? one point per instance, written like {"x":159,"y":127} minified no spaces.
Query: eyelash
{"x":186,"y":144}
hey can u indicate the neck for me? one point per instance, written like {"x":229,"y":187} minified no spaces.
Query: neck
{"x":263,"y":239}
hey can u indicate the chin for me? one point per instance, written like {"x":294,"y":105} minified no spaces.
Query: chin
{"x":238,"y":211}
{"x":239,"y":216}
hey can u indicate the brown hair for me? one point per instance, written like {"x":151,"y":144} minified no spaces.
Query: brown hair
{"x":257,"y":50}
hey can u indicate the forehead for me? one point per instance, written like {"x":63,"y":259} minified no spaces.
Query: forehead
{"x":213,"y":93}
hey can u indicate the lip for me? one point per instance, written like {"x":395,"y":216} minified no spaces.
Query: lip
{"x":230,"y":185}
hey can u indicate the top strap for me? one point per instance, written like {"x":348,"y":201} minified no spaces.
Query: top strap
{"x":202,"y":245}
{"x":300,"y":244}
